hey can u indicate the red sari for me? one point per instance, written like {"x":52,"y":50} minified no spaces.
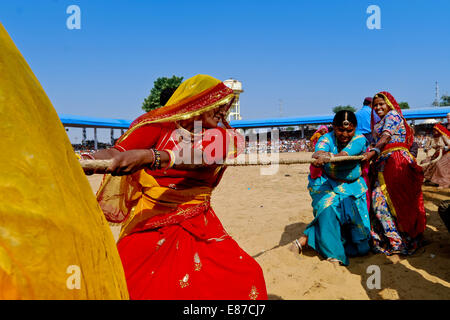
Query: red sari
{"x":183,"y":252}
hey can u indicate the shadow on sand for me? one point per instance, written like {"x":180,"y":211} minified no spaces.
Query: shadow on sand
{"x":411,"y":277}
{"x":402,"y":277}
{"x":290,"y":233}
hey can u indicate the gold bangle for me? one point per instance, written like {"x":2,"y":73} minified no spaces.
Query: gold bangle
{"x":171,"y":158}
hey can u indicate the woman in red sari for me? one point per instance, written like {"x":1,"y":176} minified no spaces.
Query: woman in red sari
{"x":398,"y":215}
{"x":172,"y":244}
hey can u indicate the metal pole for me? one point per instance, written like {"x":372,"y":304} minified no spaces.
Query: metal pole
{"x":112,"y":136}
{"x":95,"y":139}
{"x":83,"y":142}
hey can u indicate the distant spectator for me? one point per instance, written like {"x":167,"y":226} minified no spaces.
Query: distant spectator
{"x":415,"y":146}
{"x":363,"y":116}
{"x":414,"y":149}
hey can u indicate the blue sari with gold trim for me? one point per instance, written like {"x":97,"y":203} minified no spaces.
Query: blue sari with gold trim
{"x":341,"y":225}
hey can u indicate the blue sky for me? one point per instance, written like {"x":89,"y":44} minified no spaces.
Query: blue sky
{"x":312,"y":55}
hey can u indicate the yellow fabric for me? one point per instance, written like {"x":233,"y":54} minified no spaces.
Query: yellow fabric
{"x":192,"y":87}
{"x":49,"y":217}
{"x":152,"y":200}
{"x":315,"y":136}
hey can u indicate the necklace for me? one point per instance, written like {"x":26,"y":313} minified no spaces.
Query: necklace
{"x":186,"y":135}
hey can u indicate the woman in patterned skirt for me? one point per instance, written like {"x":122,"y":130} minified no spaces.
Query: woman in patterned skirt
{"x":398,"y":215}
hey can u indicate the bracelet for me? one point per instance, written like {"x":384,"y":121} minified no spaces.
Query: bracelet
{"x":157,"y":164}
{"x":87,"y":155}
{"x":376,"y":150}
{"x":172,"y":158}
{"x":154,"y":158}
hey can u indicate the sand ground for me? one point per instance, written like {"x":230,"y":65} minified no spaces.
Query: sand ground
{"x":264,"y":213}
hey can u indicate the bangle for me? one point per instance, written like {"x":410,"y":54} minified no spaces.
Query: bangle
{"x":88,"y":156}
{"x":376,"y":150}
{"x":153,"y":157}
{"x":172,"y":158}
{"x":157,"y":164}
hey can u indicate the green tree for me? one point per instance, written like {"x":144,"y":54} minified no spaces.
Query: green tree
{"x":445,"y":101}
{"x":347,"y":107}
{"x":404,"y":105}
{"x":153,"y":101}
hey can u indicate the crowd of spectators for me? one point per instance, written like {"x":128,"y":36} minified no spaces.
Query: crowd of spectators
{"x":282,"y":145}
{"x":291,"y":141}
{"x":423,"y":140}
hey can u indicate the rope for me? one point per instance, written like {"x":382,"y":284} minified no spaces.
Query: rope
{"x":292,"y":161}
{"x":103,"y":164}
{"x":95,"y":164}
{"x":100,"y":166}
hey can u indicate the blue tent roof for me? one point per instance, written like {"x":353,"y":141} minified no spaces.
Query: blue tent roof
{"x":89,"y":122}
{"x":410,"y":114}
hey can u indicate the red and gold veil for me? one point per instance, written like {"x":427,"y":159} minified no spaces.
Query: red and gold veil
{"x":193,"y":97}
{"x":442,"y":130}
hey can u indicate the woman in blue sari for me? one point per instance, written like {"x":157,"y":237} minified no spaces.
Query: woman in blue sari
{"x":341,"y":225}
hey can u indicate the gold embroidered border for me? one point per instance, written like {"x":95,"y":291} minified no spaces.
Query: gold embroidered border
{"x":397,"y":149}
{"x":329,"y":201}
{"x":386,"y":193}
{"x":441,"y":131}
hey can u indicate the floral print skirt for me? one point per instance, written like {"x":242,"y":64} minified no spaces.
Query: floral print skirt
{"x":386,"y":238}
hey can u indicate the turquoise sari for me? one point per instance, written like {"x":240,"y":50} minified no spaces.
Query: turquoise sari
{"x":341,"y":225}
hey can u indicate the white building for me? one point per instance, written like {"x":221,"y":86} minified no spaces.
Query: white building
{"x":235,"y":110}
